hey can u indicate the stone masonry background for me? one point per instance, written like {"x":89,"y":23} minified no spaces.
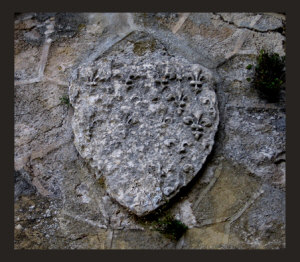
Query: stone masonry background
{"x":238,"y":199}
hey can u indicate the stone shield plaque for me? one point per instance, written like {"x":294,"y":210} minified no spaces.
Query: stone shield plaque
{"x":144,"y":119}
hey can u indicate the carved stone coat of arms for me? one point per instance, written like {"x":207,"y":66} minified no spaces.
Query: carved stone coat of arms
{"x":144,"y":119}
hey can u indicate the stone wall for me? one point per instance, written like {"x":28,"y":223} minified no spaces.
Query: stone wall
{"x":236,"y":201}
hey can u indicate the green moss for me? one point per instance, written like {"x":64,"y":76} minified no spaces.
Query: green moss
{"x":101,"y":181}
{"x":65,"y":100}
{"x":81,"y":26}
{"x":170,"y":227}
{"x":269,"y":75}
{"x":161,"y":221}
{"x":140,"y":48}
{"x":249,"y":67}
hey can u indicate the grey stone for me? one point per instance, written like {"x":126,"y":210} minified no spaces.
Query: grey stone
{"x":264,"y":223}
{"x":144,"y":120}
{"x":68,"y":24}
{"x":23,"y":184}
{"x":266,"y":23}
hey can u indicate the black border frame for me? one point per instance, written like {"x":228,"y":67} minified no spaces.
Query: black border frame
{"x":290,"y":9}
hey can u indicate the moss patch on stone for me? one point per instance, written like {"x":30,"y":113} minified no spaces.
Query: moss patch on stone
{"x":140,"y":48}
{"x":269,"y":75}
{"x":170,"y":227}
{"x":65,"y":100}
{"x":165,"y":224}
{"x":81,"y":26}
{"x":101,"y":182}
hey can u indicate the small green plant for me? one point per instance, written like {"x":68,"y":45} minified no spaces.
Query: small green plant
{"x":269,"y":75}
{"x":81,"y":26}
{"x":101,"y":181}
{"x":170,"y":227}
{"x":65,"y":100}
{"x":249,"y":67}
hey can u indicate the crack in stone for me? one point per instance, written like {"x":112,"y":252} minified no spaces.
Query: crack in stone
{"x":240,"y":41}
{"x":236,"y":52}
{"x":43,"y":152}
{"x":42,"y":112}
{"x":46,"y":131}
{"x":276,"y":30}
{"x":81,"y":237}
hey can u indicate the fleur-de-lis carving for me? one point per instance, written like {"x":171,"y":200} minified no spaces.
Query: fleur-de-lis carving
{"x":162,"y":83}
{"x":179,"y":101}
{"x":130,"y":81}
{"x":161,"y":86}
{"x":184,"y":146}
{"x":196,"y":81}
{"x":93,"y":78}
{"x":194,"y":122}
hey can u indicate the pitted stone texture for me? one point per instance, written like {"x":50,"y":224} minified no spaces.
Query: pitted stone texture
{"x":144,"y":119}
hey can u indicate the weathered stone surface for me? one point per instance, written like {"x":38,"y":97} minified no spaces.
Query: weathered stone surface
{"x":263,"y":223}
{"x":23,"y":184}
{"x":207,"y":237}
{"x":60,"y":203}
{"x":228,"y":194}
{"x":36,"y":223}
{"x":144,"y":119}
{"x":25,"y":62}
{"x":267,"y":23}
{"x":137,"y":239}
